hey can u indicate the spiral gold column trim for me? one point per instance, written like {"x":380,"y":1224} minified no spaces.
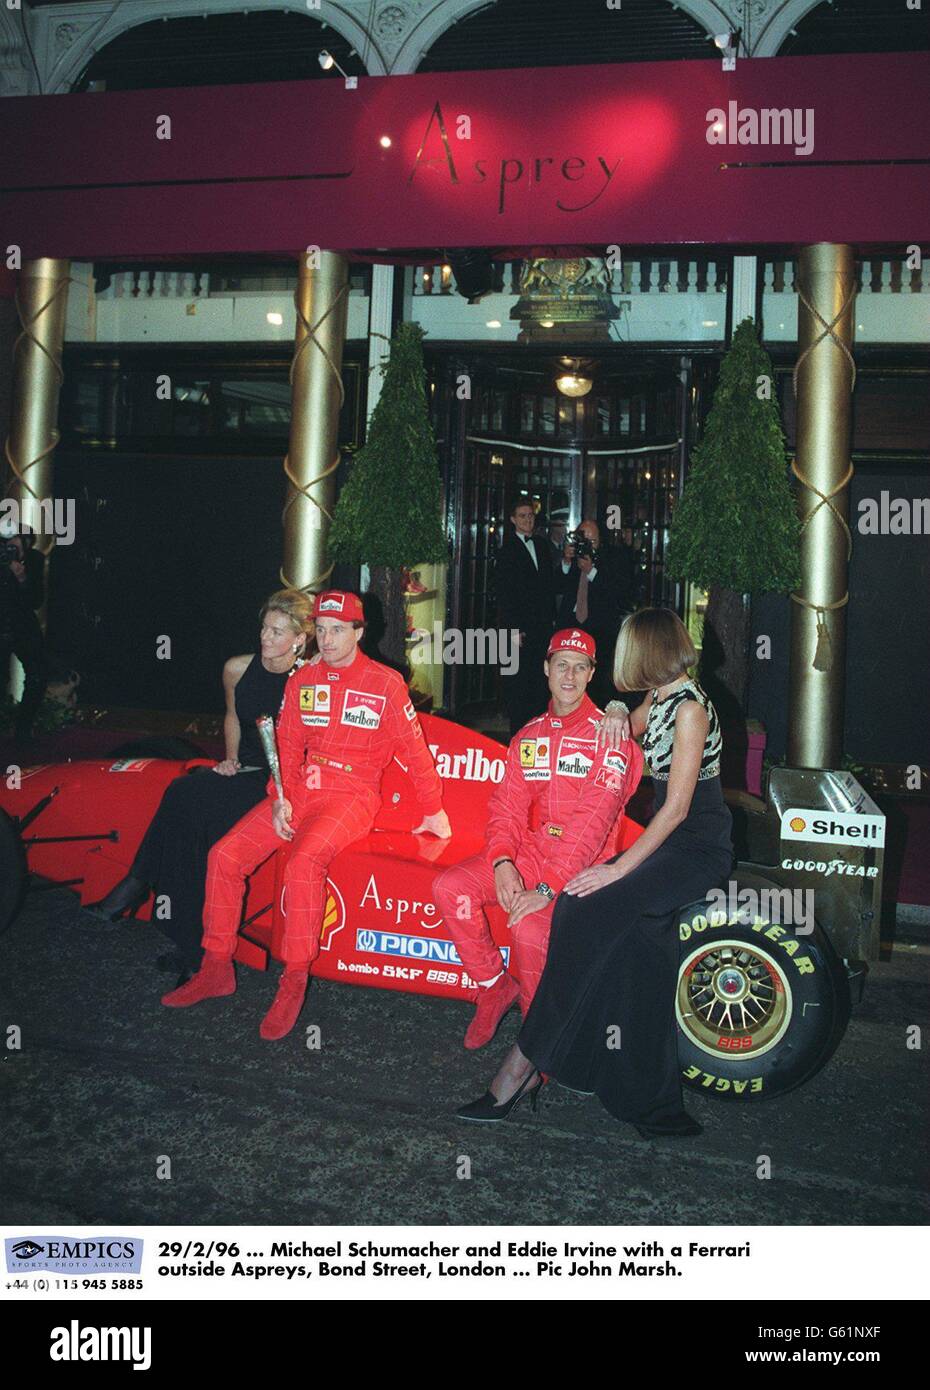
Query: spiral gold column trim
{"x":317,"y":394}
{"x":824,"y":378}
{"x":41,"y":302}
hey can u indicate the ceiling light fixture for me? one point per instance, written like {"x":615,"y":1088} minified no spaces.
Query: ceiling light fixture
{"x":327,"y":61}
{"x":572,"y":385}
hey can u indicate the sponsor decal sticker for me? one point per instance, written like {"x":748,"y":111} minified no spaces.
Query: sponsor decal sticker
{"x":575,"y":757}
{"x":388,"y":943}
{"x":833,"y":827}
{"x":472,"y":765}
{"x":334,"y":913}
{"x":130,"y":764}
{"x":315,"y":704}
{"x":534,"y":752}
{"x":361,"y":710}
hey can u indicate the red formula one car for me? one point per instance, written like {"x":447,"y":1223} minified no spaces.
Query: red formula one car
{"x":757,"y":1013}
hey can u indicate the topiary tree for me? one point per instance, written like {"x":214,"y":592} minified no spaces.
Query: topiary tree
{"x":388,"y":512}
{"x":735,"y":530}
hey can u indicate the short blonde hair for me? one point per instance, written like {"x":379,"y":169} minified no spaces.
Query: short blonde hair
{"x":653,"y":648}
{"x":292,"y":604}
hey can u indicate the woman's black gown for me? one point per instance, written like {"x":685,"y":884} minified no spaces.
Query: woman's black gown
{"x":198,"y":808}
{"x":603,"y":1018}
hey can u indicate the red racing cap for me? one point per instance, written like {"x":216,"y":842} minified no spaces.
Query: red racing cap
{"x":339,"y":603}
{"x":572,"y":639}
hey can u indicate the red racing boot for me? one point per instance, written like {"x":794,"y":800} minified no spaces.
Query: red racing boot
{"x":215,"y":978}
{"x":288,"y":1002}
{"x":493,"y":1002}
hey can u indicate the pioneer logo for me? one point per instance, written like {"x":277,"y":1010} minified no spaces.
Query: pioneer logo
{"x":77,"y":1343}
{"x":833,"y":827}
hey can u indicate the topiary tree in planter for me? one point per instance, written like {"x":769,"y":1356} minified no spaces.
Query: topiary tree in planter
{"x":735,"y":531}
{"x":388,"y":512}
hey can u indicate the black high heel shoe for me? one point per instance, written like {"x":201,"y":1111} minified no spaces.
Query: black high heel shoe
{"x":128,"y":894}
{"x":489,"y":1110}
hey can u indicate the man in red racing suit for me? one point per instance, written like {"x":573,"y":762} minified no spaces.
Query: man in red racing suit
{"x":554,"y":813}
{"x":342,"y":721}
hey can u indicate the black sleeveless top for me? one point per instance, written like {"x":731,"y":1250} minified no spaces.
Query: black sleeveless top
{"x":257,"y":692}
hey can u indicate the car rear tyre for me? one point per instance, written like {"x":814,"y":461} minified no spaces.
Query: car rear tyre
{"x":760,"y":1007}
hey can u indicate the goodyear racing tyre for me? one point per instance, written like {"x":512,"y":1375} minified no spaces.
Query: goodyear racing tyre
{"x":760,"y":1007}
{"x":12,"y":871}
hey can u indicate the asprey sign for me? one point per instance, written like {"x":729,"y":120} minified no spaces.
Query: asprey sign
{"x":781,"y":151}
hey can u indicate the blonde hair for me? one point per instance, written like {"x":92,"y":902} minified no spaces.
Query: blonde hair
{"x":292,"y":604}
{"x":653,"y":648}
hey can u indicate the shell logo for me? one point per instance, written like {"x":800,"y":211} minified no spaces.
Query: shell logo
{"x":334,"y":913}
{"x":797,"y":824}
{"x":334,"y":916}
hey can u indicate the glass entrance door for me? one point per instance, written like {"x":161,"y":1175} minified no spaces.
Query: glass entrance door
{"x":496,"y":472}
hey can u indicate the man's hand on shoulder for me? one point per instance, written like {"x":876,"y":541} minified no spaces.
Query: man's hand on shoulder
{"x":437,"y":824}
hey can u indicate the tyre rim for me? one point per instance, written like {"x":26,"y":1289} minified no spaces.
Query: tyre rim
{"x":733,"y":1000}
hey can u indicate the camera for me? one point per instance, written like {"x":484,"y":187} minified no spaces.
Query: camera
{"x":584,"y":547}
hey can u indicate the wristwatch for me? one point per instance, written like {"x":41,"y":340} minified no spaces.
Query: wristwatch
{"x":546,"y":891}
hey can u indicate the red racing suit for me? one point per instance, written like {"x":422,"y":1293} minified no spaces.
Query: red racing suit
{"x":338,"y":729}
{"x":554,"y":813}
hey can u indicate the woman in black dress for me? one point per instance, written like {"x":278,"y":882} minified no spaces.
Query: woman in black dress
{"x":198,"y":809}
{"x":603,"y":1018}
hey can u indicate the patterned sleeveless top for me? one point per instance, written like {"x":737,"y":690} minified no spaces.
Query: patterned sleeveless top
{"x":659,"y":734}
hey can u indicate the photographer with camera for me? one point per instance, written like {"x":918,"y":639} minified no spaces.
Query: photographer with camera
{"x":22,"y":592}
{"x":597,"y":592}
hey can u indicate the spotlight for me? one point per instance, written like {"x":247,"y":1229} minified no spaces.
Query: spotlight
{"x":327,"y":61}
{"x":385,"y":142}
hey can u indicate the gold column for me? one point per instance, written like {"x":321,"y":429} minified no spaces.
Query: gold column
{"x":317,"y":394}
{"x":824,"y":378}
{"x":41,"y":302}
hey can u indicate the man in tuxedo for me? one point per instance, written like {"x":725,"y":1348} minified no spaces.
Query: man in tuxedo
{"x":597,"y":592}
{"x":525,"y":604}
